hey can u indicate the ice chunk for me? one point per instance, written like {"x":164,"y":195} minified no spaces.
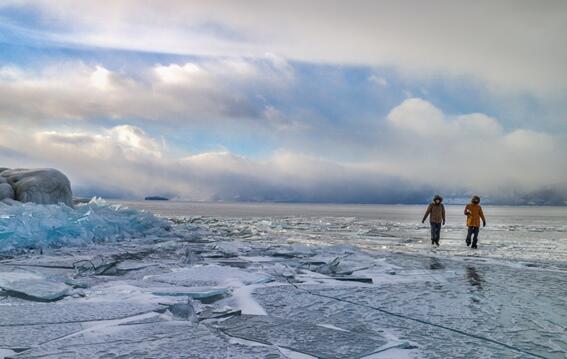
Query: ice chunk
{"x":329,"y":268}
{"x":211,"y":275}
{"x":32,"y":225}
{"x":184,"y":311}
{"x":98,"y":265}
{"x":193,"y":292}
{"x":32,"y":286}
{"x":353,"y":279}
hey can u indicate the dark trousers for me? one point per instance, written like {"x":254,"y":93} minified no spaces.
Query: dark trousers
{"x":435,"y":232}
{"x":473,"y":232}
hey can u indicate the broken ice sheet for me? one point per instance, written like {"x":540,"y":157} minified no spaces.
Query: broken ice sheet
{"x":210,"y":275}
{"x":32,"y":286}
{"x":302,"y":337}
{"x":28,"y":325}
{"x":70,"y":312}
{"x":173,"y":339}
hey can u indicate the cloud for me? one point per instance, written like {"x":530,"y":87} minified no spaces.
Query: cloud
{"x":463,"y":154}
{"x":511,"y":45}
{"x":418,"y":116}
{"x":380,"y":81}
{"x":186,"y":92}
{"x":470,"y":151}
{"x":125,"y":141}
{"x":124,"y":159}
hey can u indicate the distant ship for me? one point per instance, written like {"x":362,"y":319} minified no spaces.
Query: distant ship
{"x":156,"y":198}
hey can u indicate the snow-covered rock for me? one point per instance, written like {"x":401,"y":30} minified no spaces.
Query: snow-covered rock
{"x":41,"y":186}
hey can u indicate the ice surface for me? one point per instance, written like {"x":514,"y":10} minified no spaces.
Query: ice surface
{"x":37,"y":226}
{"x":302,"y":337}
{"x":70,"y":312}
{"x":211,"y":275}
{"x":167,"y":340}
{"x":31,"y":335}
{"x":506,"y":300}
{"x":32,"y":286}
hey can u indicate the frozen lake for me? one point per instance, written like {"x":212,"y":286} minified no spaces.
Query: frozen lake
{"x":211,"y":280}
{"x":536,"y":234}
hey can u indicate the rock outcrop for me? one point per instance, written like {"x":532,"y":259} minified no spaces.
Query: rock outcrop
{"x":42,"y":186}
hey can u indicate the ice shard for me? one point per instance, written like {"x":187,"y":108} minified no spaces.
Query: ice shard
{"x":33,"y":225}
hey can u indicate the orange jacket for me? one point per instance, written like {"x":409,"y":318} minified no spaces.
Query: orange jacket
{"x":474,"y":214}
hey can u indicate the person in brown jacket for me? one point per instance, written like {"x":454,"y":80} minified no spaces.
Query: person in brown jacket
{"x":436,"y":213}
{"x":474,"y":214}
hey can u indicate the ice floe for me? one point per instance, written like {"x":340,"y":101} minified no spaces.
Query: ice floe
{"x":32,"y":286}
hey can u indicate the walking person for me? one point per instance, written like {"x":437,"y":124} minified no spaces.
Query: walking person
{"x":474,"y":214}
{"x":436,"y":213}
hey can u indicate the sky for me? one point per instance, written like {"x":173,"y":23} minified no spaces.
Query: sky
{"x":317,"y":101}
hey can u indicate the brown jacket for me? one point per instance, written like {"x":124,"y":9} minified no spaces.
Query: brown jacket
{"x":436,"y":213}
{"x":474,"y":214}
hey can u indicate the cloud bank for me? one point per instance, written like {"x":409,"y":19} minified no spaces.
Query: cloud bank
{"x":423,"y":150}
{"x":509,"y":44}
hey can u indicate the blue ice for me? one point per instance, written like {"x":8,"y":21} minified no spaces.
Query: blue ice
{"x":31,"y":225}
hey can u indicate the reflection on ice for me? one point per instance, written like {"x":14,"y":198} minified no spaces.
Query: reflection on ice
{"x":474,"y":278}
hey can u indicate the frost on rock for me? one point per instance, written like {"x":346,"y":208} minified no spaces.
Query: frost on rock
{"x":32,"y":225}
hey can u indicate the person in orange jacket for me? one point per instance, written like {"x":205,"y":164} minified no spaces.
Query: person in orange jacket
{"x":474,"y":214}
